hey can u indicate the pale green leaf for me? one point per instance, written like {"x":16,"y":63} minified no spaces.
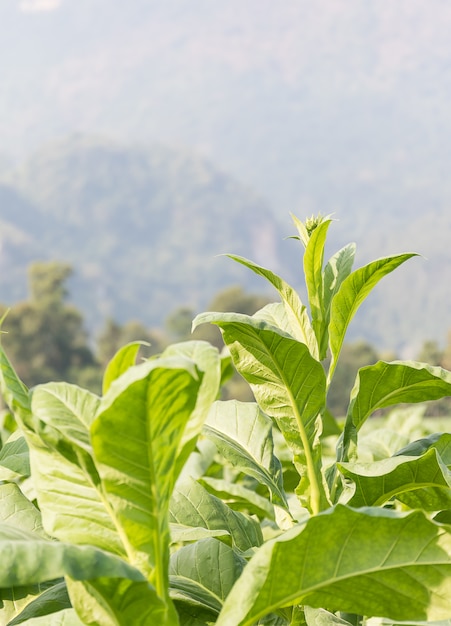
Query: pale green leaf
{"x":136,"y":437}
{"x":180,"y":533}
{"x":192,"y":505}
{"x":353,"y":291}
{"x":124,"y":358}
{"x":321,"y":617}
{"x":243,"y":435}
{"x":288,"y":384}
{"x":372,"y":562}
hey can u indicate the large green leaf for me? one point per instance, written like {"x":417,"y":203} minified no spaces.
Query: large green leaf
{"x":422,"y":482}
{"x":203,"y":573}
{"x":113,"y":601}
{"x":300,"y":324}
{"x":243,"y":435}
{"x":192,"y":505}
{"x":385,"y":384}
{"x":288,"y":384}
{"x":440,"y":441}
{"x":353,"y":291}
{"x":207,"y":361}
{"x":136,"y":437}
{"x":372,"y":562}
{"x":28,"y":558}
{"x":67,"y":483}
{"x":313,"y":271}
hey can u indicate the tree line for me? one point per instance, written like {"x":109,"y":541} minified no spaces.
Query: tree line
{"x":46,"y":338}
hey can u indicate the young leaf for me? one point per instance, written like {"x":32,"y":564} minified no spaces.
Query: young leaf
{"x":288,"y":384}
{"x":313,"y":270}
{"x":372,"y":562}
{"x":207,"y":361}
{"x":17,"y":511}
{"x":353,"y":291}
{"x":300,"y":325}
{"x":136,"y":436}
{"x":124,"y":358}
{"x":238,"y":497}
{"x":243,"y":435}
{"x":422,"y":482}
{"x":337,"y":269}
{"x":66,"y":617}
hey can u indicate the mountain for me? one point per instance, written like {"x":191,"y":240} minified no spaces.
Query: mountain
{"x":143,"y":227}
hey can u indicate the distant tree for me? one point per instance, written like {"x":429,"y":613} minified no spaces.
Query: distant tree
{"x":113,"y":336}
{"x":45,"y":336}
{"x":353,"y":357}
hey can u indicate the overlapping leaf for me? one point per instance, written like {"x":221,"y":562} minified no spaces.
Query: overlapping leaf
{"x":196,"y":580}
{"x":192,"y":505}
{"x":243,"y":435}
{"x":371,"y":562}
{"x":422,"y":482}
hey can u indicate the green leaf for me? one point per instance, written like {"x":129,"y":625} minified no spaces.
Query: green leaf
{"x":321,"y":617}
{"x":385,"y":384}
{"x":439,"y":441}
{"x":337,"y":269}
{"x":288,"y":384}
{"x":419,"y":482}
{"x":243,"y":435}
{"x":238,"y":497}
{"x":197,"y":581}
{"x":124,"y":358}
{"x":14,"y":458}
{"x":52,"y":600}
{"x":67,"y":617}
{"x":136,"y":436}
{"x":207,"y":361}
{"x":70,"y":497}
{"x":353,"y":291}
{"x":192,"y":505}
{"x":109,"y":601}
{"x":371,"y":562}
{"x":28,"y":559}
{"x":313,"y":270}
{"x":17,"y":511}
{"x":13,"y":390}
{"x":300,"y":325}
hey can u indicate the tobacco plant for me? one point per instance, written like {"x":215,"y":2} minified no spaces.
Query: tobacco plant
{"x":157,"y":503}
